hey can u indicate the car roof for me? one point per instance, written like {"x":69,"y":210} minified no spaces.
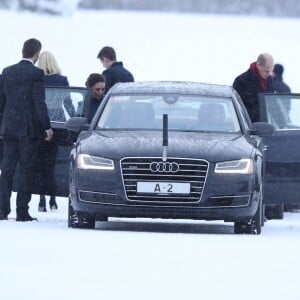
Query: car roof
{"x":173,"y":87}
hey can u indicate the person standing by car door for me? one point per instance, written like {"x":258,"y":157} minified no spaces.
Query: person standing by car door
{"x":257,"y":79}
{"x":25,"y":120}
{"x":279,"y":85}
{"x":47,"y":151}
{"x":115,"y":72}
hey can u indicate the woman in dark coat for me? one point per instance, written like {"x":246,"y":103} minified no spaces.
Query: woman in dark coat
{"x":96,"y":82}
{"x":48,"y":150}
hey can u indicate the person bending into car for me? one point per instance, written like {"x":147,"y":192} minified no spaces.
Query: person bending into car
{"x":96,"y":82}
{"x":257,"y":79}
{"x":115,"y":72}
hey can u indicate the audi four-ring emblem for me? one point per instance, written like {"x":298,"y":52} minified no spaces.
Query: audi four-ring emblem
{"x":164,"y":167}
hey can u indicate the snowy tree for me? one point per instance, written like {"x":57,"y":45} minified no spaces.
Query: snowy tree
{"x":246,"y":7}
{"x":57,"y":7}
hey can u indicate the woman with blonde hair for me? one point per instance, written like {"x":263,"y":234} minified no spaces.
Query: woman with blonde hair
{"x":52,"y":71}
{"x":47,"y":151}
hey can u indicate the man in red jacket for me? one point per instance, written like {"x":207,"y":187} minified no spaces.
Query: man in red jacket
{"x":257,"y":79}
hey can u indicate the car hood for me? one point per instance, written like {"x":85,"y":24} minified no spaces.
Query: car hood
{"x":209,"y":146}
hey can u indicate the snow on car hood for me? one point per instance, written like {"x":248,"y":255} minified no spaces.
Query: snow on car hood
{"x":209,"y":146}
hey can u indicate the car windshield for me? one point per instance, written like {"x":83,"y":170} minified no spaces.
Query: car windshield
{"x":185,"y":113}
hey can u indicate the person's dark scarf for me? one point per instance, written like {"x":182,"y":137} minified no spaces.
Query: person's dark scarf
{"x":262,"y":82}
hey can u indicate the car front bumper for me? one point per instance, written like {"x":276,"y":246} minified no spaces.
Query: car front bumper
{"x":230,"y":198}
{"x":229,"y":214}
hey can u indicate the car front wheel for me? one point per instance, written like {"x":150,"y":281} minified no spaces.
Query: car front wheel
{"x":76,"y":220}
{"x":255,"y":224}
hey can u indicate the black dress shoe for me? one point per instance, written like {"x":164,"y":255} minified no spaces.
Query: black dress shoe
{"x":25,"y":218}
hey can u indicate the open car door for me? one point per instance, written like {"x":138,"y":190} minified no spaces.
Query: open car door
{"x":62,"y":103}
{"x":282,"y":155}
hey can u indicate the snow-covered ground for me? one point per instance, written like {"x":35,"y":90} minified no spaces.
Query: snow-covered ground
{"x":147,"y":259}
{"x":150,"y":259}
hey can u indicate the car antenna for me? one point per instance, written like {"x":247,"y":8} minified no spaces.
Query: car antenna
{"x":165,"y":137}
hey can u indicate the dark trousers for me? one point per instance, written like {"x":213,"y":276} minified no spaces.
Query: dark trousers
{"x":21,"y":151}
{"x":46,"y":156}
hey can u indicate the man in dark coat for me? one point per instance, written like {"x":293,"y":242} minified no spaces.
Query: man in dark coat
{"x":256,"y":80}
{"x":115,"y":72}
{"x":1,"y":112}
{"x":279,"y":85}
{"x":24,"y":121}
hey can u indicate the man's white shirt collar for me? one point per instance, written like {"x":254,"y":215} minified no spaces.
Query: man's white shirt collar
{"x":28,"y":59}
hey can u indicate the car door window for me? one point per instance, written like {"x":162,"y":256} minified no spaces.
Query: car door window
{"x":64,"y":103}
{"x":283,"y":111}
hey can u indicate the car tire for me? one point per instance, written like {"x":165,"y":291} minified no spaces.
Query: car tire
{"x":263,"y":215}
{"x":255,"y":224}
{"x":257,"y":220}
{"x":71,"y":214}
{"x":75,"y":220}
{"x":102,"y":219}
{"x":240,"y":227}
{"x":274,"y":212}
{"x":86,"y":222}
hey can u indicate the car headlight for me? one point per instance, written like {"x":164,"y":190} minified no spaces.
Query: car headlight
{"x":85,"y":161}
{"x":241,"y":166}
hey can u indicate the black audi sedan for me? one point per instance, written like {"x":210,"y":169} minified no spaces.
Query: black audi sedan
{"x":178,"y":150}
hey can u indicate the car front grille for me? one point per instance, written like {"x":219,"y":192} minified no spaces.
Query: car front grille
{"x":153,"y":170}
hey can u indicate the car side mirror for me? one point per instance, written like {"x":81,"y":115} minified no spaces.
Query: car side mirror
{"x":76,"y":124}
{"x":262,"y":129}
